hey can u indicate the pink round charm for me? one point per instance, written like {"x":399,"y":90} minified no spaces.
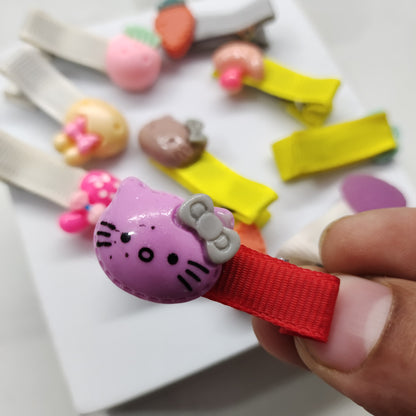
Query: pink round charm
{"x":232,"y":79}
{"x":131,"y":64}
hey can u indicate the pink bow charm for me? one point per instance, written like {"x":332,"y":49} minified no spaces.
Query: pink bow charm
{"x":86,"y":204}
{"x":76,"y":130}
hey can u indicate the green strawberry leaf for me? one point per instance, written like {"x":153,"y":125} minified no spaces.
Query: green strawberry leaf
{"x":143,"y":35}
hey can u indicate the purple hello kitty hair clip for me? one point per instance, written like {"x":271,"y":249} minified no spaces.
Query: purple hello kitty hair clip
{"x":164,"y":249}
{"x":84,"y":194}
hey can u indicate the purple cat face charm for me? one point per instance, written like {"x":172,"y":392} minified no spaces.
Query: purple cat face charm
{"x":161,"y":248}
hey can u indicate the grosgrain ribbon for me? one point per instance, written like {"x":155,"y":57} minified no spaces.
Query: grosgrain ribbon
{"x":40,"y":82}
{"x":246,"y":199}
{"x":320,"y":149}
{"x":309,"y":99}
{"x":299,"y":301}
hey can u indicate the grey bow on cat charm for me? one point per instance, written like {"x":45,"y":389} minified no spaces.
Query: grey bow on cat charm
{"x":221,"y":243}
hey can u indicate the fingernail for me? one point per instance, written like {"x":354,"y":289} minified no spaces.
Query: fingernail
{"x":361,"y":313}
{"x":325,"y":232}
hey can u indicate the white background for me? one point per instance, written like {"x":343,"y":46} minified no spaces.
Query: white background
{"x":373,"y":44}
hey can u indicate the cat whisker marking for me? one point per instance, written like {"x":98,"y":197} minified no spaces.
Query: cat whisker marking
{"x":184,"y":282}
{"x":109,"y":225}
{"x":103,"y":244}
{"x":193,"y":275}
{"x":198,"y":266}
{"x":104,"y":233}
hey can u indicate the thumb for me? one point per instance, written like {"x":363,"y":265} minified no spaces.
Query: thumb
{"x":370,"y":355}
{"x":371,"y":352}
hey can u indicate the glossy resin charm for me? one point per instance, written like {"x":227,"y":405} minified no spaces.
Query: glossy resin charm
{"x":175,"y":24}
{"x":158,"y":247}
{"x":171,"y":143}
{"x":237,"y":60}
{"x":92,"y":129}
{"x":133,"y":60}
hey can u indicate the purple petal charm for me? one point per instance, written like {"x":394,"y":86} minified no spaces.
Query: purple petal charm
{"x":365,"y":192}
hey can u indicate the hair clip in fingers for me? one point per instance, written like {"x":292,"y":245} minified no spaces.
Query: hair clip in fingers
{"x":146,"y":249}
{"x":158,"y":247}
{"x":91,"y":128}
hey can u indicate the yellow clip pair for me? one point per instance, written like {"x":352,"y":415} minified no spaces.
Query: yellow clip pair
{"x":320,"y":149}
{"x":309,"y":99}
{"x":246,"y":199}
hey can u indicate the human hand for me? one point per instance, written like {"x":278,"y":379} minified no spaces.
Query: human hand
{"x":371,"y":352}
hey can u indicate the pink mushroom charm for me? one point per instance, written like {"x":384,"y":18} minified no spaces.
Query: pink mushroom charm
{"x":238,"y":59}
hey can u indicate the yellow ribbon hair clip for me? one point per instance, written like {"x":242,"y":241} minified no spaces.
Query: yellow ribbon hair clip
{"x":320,"y":149}
{"x":242,"y":63}
{"x":178,"y":150}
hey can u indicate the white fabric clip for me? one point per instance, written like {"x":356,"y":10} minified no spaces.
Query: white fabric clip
{"x":359,"y":193}
{"x":40,"y":82}
{"x":131,"y":60}
{"x":91,"y":128}
{"x":216,"y":19}
{"x":71,"y":43}
{"x":38,"y":172}
{"x":303,"y":247}
{"x":85,"y":194}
